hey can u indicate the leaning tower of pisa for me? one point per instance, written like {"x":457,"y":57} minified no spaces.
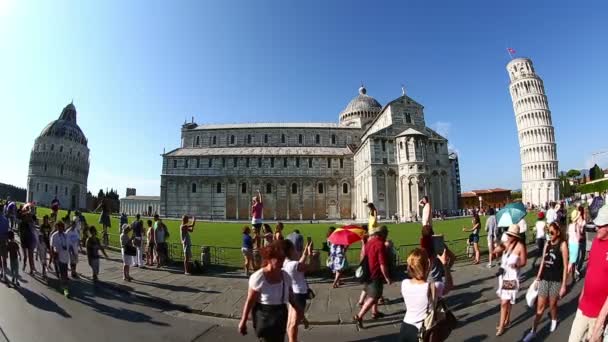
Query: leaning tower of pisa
{"x":539,"y":171}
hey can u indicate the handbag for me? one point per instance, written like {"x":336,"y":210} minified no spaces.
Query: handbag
{"x":532,"y":293}
{"x":509,"y":284}
{"x":439,"y":322}
{"x":362,"y":272}
{"x":130,"y":250}
{"x":270,"y":320}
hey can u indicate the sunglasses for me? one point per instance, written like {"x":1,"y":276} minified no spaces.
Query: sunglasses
{"x":552,"y":233}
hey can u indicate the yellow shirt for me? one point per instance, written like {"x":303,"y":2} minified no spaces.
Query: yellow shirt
{"x":372,"y":221}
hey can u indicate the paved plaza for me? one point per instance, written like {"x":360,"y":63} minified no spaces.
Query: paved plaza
{"x":217,"y":299}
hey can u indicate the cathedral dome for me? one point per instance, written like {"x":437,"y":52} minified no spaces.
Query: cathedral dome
{"x":360,"y":110}
{"x":65,"y":127}
{"x":362,"y":103}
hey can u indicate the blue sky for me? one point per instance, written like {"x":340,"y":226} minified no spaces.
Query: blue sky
{"x":137,"y":69}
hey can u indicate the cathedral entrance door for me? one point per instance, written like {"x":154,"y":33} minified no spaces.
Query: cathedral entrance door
{"x":332,"y":210}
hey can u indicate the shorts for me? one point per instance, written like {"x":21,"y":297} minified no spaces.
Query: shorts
{"x":187,"y":252}
{"x":161,"y":249}
{"x":374,"y":289}
{"x":408,"y":332}
{"x":127,"y":260}
{"x":247,"y":252}
{"x":573,"y":252}
{"x":474,"y":238}
{"x":548,"y":288}
{"x":300,"y":300}
{"x":3,"y":248}
{"x":151,"y":247}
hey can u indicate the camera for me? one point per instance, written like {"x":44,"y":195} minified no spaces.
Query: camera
{"x":501,"y":271}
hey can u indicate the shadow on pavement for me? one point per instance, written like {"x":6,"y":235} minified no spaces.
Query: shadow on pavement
{"x":473,"y":282}
{"x":86,"y":294}
{"x":462,"y":300}
{"x":390,"y":337}
{"x":42,"y":302}
{"x":170,"y":287}
{"x":477,"y":338}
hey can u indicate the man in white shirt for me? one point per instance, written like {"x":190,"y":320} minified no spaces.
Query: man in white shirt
{"x":523,"y":227}
{"x":551,"y":215}
{"x":61,"y":255}
{"x":492,"y":232}
{"x":427,"y":219}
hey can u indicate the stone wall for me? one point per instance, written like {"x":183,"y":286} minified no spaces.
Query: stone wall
{"x":230,"y":198}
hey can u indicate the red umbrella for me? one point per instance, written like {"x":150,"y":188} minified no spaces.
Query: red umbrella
{"x":347,"y":235}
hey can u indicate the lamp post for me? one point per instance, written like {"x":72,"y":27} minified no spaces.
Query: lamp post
{"x":480,"y":202}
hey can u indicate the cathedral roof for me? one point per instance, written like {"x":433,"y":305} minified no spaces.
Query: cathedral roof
{"x":363,"y":103}
{"x":65,"y":127}
{"x":270,"y":125}
{"x":261,"y":151}
{"x":410,"y":131}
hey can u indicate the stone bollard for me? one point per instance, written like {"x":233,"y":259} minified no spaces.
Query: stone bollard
{"x":205,"y":257}
{"x":315,"y":262}
{"x":257,"y":259}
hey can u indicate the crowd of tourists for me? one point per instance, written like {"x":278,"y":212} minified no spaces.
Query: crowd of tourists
{"x":53,"y":244}
{"x":276,"y":265}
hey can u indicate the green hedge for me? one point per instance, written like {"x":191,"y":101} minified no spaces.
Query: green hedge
{"x":593,"y":187}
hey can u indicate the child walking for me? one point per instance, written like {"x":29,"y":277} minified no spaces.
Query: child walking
{"x":41,"y":250}
{"x":14,"y":256}
{"x":93,"y":247}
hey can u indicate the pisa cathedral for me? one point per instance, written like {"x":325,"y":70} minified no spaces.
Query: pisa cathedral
{"x":538,"y":150}
{"x":59,"y":163}
{"x":313,"y":171}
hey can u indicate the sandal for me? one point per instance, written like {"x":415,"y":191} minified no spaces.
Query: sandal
{"x":500,"y":332}
{"x":378,"y":315}
{"x":358,"y":321}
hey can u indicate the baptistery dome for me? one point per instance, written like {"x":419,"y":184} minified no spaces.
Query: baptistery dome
{"x":59,"y":163}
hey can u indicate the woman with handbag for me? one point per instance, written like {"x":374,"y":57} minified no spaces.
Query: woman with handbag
{"x":128,"y":251}
{"x":514,"y":257}
{"x":296,"y":270}
{"x":269,"y":293}
{"x":418,"y":296}
{"x":551,"y":279}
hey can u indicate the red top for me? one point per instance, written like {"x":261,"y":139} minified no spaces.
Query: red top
{"x":426,"y":242}
{"x":595,"y":289}
{"x":376,"y":256}
{"x":256,"y":210}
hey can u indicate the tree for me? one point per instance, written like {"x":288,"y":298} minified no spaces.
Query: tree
{"x":565,"y":188}
{"x":573,"y":173}
{"x":596,"y":173}
{"x":100,"y":194}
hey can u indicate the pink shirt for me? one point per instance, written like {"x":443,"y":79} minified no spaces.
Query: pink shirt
{"x":595,"y":289}
{"x":256,"y":210}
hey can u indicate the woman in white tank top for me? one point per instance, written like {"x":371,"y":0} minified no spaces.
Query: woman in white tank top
{"x":514,"y":257}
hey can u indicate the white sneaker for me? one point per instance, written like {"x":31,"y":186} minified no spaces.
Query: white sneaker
{"x":490,"y":265}
{"x":553,"y":325}
{"x":529,"y":337}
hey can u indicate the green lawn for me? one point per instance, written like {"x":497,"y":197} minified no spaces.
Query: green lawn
{"x":226,"y":237}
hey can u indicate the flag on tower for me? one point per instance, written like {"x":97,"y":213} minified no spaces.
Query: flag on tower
{"x":511,"y":51}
